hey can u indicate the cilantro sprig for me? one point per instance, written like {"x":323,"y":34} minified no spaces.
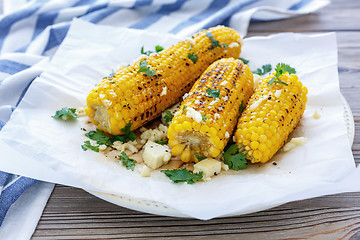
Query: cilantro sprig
{"x":128,"y":134}
{"x":162,"y":142}
{"x":158,"y":48}
{"x":204,"y":118}
{"x":234,"y":159}
{"x":280,"y":69}
{"x":199,"y":157}
{"x":66,"y":114}
{"x":193,"y":57}
{"x":264,"y":69}
{"x":87,"y":145}
{"x":183,"y":175}
{"x":99,"y":137}
{"x":168,"y":117}
{"x":245,"y":61}
{"x":146,"y":69}
{"x":129,"y":163}
{"x":214,"y":43}
{"x":213,"y":93}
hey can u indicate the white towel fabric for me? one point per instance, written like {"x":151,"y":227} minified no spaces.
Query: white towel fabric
{"x":31,"y":31}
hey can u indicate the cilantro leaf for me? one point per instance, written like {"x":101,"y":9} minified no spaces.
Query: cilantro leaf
{"x":213,"y":93}
{"x":224,"y":45}
{"x":65,"y":114}
{"x":203,"y":117}
{"x":129,"y":163}
{"x":162,"y":142}
{"x":168,"y":117}
{"x":87,"y":145}
{"x":234,"y":159}
{"x":99,"y":137}
{"x":128,"y":134}
{"x":244,"y":60}
{"x":192,"y":57}
{"x":264,"y":69}
{"x":158,"y":48}
{"x":280,"y":69}
{"x":183,"y":175}
{"x":146,"y":69}
{"x":214,"y":43}
{"x":199,"y":157}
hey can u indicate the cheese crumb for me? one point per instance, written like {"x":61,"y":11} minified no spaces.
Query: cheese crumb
{"x":277,"y":93}
{"x":223,"y":83}
{"x":233,"y":44}
{"x":294,"y":142}
{"x":255,"y":104}
{"x":156,"y":155}
{"x":190,"y":40}
{"x":227,"y":135}
{"x":156,"y":134}
{"x":209,"y":167}
{"x":316,"y":115}
{"x":102,"y":147}
{"x":80,"y":111}
{"x":192,"y":113}
{"x":164,"y":91}
{"x":257,"y":78}
{"x":145,"y":171}
{"x":216,"y":116}
{"x":224,"y":166}
{"x":130,"y":145}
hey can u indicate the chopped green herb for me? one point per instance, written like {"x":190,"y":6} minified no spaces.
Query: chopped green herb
{"x":264,"y":69}
{"x":99,"y":137}
{"x":224,"y":45}
{"x":203,"y":117}
{"x":280,"y":69}
{"x":111,"y":75}
{"x":244,"y":60}
{"x":162,"y":142}
{"x":87,"y":145}
{"x":128,"y":134}
{"x":158,"y":48}
{"x":184,"y":107}
{"x":146,"y":69}
{"x":129,"y":163}
{"x":214,"y":43}
{"x":112,"y":82}
{"x":242,"y":107}
{"x":192,"y":57}
{"x":213,"y":93}
{"x":168,"y":117}
{"x":199,"y":157}
{"x":234,"y":159}
{"x":65,"y":114}
{"x":183,"y":175}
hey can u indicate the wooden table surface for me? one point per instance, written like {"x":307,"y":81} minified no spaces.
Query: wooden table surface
{"x":72,"y":213}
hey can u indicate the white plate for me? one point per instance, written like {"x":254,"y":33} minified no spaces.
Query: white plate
{"x":161,"y":209}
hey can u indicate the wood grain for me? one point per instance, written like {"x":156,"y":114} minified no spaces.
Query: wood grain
{"x":74,"y":214}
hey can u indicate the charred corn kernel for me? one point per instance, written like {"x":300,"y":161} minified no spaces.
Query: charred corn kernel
{"x":207,"y":136}
{"x":261,"y":142}
{"x":139,"y":97}
{"x":186,"y":155}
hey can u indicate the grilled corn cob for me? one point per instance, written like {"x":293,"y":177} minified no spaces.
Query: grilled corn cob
{"x":272,"y":113}
{"x":130,"y":96}
{"x":207,"y":116}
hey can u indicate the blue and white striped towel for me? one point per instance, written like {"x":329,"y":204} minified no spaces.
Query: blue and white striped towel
{"x":31,"y":31}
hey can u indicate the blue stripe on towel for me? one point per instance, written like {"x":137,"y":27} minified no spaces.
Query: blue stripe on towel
{"x":11,"y":67}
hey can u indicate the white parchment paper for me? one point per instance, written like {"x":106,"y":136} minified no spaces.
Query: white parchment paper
{"x":35,"y":145}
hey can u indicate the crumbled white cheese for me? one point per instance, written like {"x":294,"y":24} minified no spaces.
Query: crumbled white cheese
{"x":106,"y":102}
{"x":143,"y":129}
{"x":225,"y":98}
{"x":164,"y":91}
{"x":224,"y":166}
{"x":80,"y":111}
{"x":190,"y":40}
{"x":277,"y":93}
{"x":101,"y":95}
{"x":102,"y":147}
{"x":130,"y":145}
{"x":145,"y":171}
{"x":223,"y":83}
{"x":213,"y":102}
{"x":185,"y":96}
{"x":192,"y":113}
{"x":197,"y":101}
{"x":225,"y":51}
{"x":294,"y":142}
{"x":112,"y":93}
{"x":216,"y":116}
{"x":255,"y":104}
{"x":233,"y":44}
{"x":156,"y":134}
{"x":156,"y":155}
{"x":227,"y":135}
{"x":316,"y":114}
{"x":209,"y":167}
{"x":257,"y":78}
